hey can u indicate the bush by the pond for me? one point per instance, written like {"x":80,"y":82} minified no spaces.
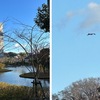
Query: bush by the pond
{"x":13,"y":92}
{"x":2,"y":65}
{"x":2,"y":68}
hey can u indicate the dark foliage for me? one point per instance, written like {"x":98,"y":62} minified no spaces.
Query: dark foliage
{"x":42,"y":19}
{"x":11,"y":54}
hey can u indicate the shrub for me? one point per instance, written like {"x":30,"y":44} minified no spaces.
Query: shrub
{"x":2,"y":65}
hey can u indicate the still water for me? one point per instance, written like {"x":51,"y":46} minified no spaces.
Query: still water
{"x":12,"y":77}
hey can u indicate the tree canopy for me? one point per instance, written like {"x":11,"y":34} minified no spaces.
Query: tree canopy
{"x":86,"y":89}
{"x":43,"y":18}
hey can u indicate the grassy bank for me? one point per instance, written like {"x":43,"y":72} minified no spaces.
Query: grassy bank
{"x":13,"y":92}
{"x":4,"y":70}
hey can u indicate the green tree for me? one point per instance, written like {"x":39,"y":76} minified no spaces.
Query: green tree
{"x":43,"y":18}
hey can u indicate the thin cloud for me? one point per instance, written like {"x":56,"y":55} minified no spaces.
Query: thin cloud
{"x":64,"y":21}
{"x":92,"y":13}
{"x":70,"y":15}
{"x":90,"y":16}
{"x":17,"y":45}
{"x":93,"y":5}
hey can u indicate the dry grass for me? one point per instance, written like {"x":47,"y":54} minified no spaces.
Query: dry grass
{"x":4,"y":70}
{"x":2,"y":65}
{"x":13,"y":92}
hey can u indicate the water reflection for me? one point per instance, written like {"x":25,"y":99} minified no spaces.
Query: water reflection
{"x":12,"y":77}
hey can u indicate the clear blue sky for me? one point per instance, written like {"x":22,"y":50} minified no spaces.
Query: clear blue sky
{"x":22,"y":10}
{"x":75,"y":55}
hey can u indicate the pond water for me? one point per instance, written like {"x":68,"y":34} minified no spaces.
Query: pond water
{"x":12,"y":77}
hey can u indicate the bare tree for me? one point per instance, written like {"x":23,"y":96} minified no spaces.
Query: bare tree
{"x":30,"y":40}
{"x":33,"y":43}
{"x":55,"y":97}
{"x":85,"y":89}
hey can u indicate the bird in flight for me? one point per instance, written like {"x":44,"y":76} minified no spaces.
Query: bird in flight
{"x":91,"y":34}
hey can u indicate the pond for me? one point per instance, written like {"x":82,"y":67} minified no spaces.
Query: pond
{"x":12,"y":77}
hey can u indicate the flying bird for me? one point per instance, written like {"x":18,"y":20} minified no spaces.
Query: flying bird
{"x":91,"y":34}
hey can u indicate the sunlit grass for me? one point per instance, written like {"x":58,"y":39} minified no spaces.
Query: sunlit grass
{"x":14,"y":92}
{"x":2,"y":68}
{"x":2,"y":65}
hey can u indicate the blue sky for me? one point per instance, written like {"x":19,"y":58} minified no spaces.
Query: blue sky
{"x":75,"y":55}
{"x":22,"y":10}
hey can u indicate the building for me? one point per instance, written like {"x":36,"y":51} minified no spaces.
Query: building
{"x":1,"y":40}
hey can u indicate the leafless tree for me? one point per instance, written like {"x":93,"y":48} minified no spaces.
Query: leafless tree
{"x":85,"y":89}
{"x":33,"y":42}
{"x":55,"y":97}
